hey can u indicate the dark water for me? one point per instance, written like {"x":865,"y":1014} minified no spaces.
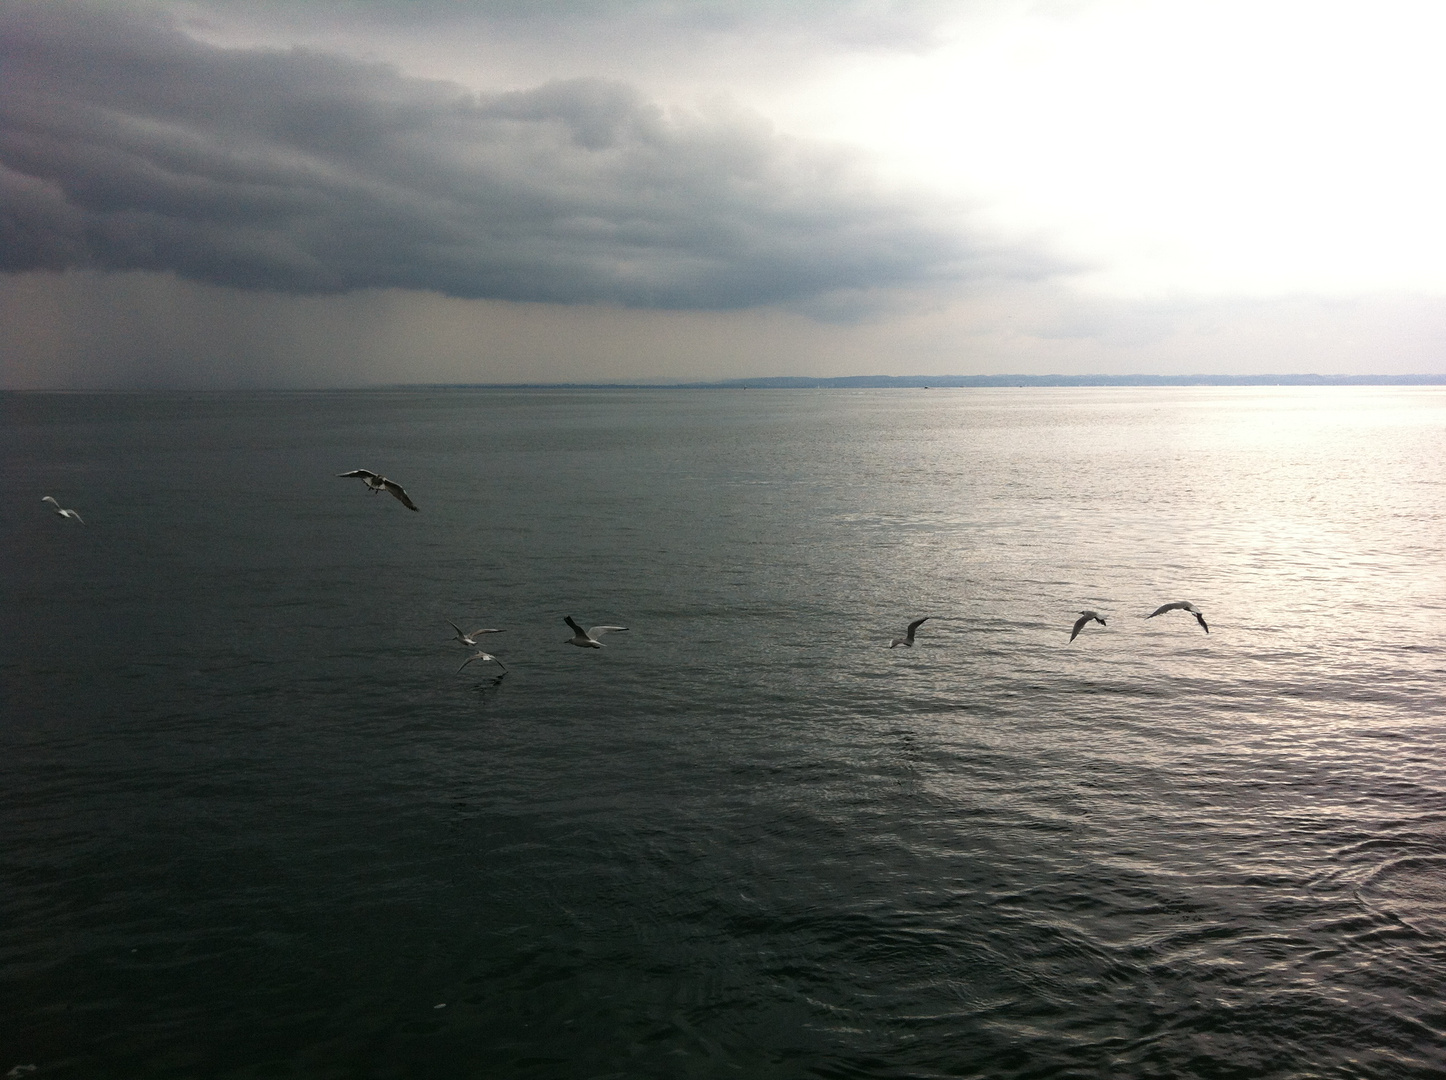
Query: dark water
{"x":256,"y":825}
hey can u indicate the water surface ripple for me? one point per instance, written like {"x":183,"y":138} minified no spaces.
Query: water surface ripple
{"x":256,"y":825}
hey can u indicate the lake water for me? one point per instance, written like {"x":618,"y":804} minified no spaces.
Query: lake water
{"x":256,"y":824}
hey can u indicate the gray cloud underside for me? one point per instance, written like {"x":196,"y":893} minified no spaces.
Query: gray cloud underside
{"x":865,"y":24}
{"x":124,"y":145}
{"x":761,"y":47}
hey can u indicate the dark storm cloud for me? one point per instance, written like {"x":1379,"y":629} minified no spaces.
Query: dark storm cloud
{"x":869,"y":25}
{"x":125,"y":144}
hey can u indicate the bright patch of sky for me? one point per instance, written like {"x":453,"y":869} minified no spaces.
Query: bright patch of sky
{"x":1239,"y":147}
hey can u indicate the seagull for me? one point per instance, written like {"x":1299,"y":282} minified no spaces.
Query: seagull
{"x":470,"y":640}
{"x":63,"y":513}
{"x":1183,"y":605}
{"x":377,"y":483}
{"x":587,"y":639}
{"x":484,"y":656}
{"x":1083,"y":621}
{"x":908,"y":638}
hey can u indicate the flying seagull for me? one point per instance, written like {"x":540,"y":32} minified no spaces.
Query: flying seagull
{"x":484,"y":656}
{"x":377,"y":483}
{"x":587,"y":639}
{"x":1083,"y":620}
{"x":470,"y":640}
{"x":63,"y":513}
{"x":908,"y":638}
{"x":1182,"y":605}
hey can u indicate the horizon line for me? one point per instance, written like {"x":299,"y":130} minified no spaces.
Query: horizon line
{"x":785,"y":382}
{"x":801,"y":382}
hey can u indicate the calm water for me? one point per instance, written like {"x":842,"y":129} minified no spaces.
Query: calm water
{"x":256,"y":825}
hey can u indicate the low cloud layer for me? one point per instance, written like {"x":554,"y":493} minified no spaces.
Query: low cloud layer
{"x":127,"y":145}
{"x":84,"y":330}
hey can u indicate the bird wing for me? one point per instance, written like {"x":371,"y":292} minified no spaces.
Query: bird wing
{"x":1079,"y":624}
{"x":455,"y":627}
{"x":80,"y":519}
{"x":1201,"y":620}
{"x":1167,"y":607}
{"x":396,"y":489}
{"x":916,"y":624}
{"x":482,"y":631}
{"x":568,"y":619}
{"x":483,"y":656}
{"x":594,"y":631}
{"x":365,"y":474}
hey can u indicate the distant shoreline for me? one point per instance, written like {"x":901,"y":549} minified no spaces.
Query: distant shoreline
{"x":879,"y":382}
{"x":800,"y":382}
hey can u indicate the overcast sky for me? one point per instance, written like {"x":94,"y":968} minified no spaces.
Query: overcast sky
{"x":260,"y":192}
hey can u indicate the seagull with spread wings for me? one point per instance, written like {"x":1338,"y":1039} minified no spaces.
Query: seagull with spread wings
{"x":470,"y":640}
{"x":908,"y":638}
{"x":587,"y":639}
{"x":69,"y":514}
{"x":376,"y":482}
{"x":1181,"y":605}
{"x":484,"y":657}
{"x":1083,"y":621}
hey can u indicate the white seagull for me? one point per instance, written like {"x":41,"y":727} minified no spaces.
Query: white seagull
{"x":376,"y":482}
{"x":484,"y":656}
{"x":470,"y":640}
{"x":63,"y":513}
{"x":1083,"y":620}
{"x":587,"y":639}
{"x":908,"y":638}
{"x":1182,"y":605}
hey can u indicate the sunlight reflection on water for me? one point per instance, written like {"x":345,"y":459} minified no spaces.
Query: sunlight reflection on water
{"x":745,"y":835}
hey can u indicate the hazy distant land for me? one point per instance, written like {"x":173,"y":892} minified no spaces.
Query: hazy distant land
{"x":926,"y":381}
